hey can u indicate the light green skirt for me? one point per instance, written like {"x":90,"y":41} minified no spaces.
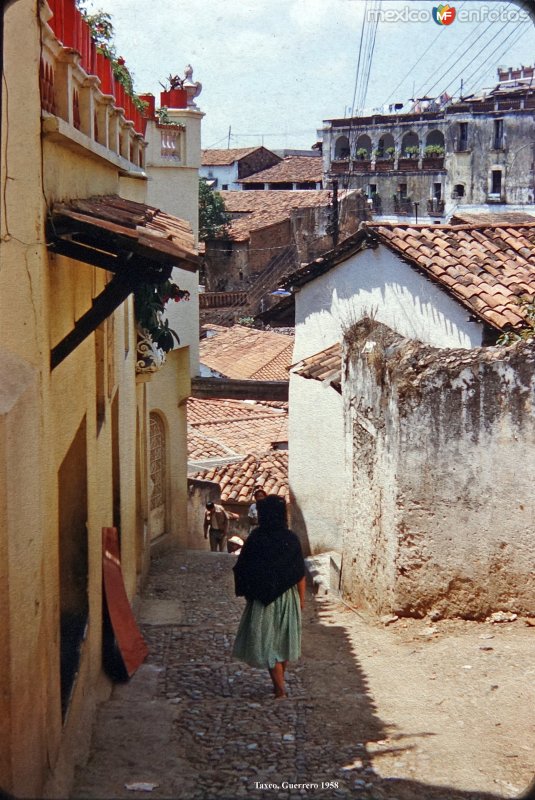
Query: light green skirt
{"x":267,"y":634}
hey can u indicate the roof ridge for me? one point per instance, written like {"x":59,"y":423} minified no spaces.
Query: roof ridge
{"x":242,"y":418}
{"x":466,"y":226}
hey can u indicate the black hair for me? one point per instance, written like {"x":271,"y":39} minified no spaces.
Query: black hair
{"x":272,"y":512}
{"x":209,"y":504}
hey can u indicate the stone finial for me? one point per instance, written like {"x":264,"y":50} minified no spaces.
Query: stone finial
{"x":193,"y":88}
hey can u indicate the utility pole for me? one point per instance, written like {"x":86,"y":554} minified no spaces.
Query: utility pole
{"x":334,"y":220}
{"x":228,"y":143}
{"x":416,"y":212}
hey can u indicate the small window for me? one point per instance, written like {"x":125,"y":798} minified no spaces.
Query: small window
{"x":496,"y":183}
{"x":437,"y":191}
{"x":402,"y":190}
{"x":462,"y":144}
{"x":458,"y":190}
{"x":372,"y":189}
{"x":225,"y":186}
{"x":498,"y":134}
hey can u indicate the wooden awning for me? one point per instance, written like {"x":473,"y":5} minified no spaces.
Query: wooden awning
{"x":121,"y":235}
{"x":139,"y":244}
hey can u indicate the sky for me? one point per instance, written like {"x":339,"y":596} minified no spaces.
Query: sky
{"x":272,"y":70}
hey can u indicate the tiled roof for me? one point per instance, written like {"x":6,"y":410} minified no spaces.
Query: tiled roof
{"x":201,"y":448}
{"x":275,"y":201}
{"x":237,"y":480}
{"x":201,"y":411}
{"x":261,"y":209}
{"x":325,"y":366}
{"x":226,"y":428}
{"x":489,"y":218}
{"x":221,"y":158}
{"x":246,"y":353}
{"x":293,"y":169}
{"x":488,"y":268}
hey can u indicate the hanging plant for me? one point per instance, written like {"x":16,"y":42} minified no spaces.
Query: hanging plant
{"x":149,"y":306}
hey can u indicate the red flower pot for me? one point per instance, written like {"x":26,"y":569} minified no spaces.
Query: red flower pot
{"x":150,"y":108}
{"x":174,"y":98}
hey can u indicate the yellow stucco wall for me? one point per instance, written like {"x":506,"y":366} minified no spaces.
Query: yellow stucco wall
{"x":72,"y":441}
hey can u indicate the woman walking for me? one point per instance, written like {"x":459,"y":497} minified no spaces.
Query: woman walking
{"x":270,"y":574}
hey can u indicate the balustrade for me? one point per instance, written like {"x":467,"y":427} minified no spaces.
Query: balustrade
{"x":170,"y":141}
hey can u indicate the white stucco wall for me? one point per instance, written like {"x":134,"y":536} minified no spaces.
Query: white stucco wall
{"x":184,"y":316}
{"x":441,"y":509}
{"x":226,"y":175}
{"x":374,"y":282}
{"x":316,"y":469}
{"x":377,"y":283}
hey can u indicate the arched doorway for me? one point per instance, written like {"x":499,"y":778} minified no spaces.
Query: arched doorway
{"x":157,"y":476}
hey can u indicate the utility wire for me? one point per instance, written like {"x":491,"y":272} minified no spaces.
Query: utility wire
{"x":453,"y":80}
{"x":413,"y":67}
{"x":481,"y":70}
{"x":466,"y":51}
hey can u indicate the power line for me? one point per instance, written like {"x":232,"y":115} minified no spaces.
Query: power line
{"x":480,"y":72}
{"x":413,"y":67}
{"x":464,"y":53}
{"x":452,"y":81}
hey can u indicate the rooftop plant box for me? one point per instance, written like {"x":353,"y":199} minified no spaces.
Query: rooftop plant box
{"x":339,"y":166}
{"x":174,"y":98}
{"x":433,"y":162}
{"x":362,"y":165}
{"x":384,"y":165}
{"x":407,"y":164}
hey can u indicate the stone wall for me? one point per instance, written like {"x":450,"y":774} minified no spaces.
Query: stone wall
{"x":199,"y":493}
{"x":441,"y":508}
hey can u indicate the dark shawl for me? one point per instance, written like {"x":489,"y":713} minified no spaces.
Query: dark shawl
{"x":270,"y":563}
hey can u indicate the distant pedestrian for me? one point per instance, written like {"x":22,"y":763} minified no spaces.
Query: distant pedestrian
{"x":270,"y":574}
{"x":252,"y":514}
{"x":215,"y":526}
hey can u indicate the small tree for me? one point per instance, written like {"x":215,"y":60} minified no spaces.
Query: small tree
{"x":213,"y":219}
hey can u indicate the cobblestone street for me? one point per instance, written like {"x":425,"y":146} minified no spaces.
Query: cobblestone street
{"x":193,"y":725}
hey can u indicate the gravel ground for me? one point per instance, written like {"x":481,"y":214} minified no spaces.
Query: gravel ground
{"x":410,"y":710}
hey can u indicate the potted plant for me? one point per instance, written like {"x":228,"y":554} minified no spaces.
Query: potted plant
{"x":411,"y":152}
{"x":174,"y":95}
{"x":434,"y":151}
{"x":390,"y":152}
{"x":362,"y":154}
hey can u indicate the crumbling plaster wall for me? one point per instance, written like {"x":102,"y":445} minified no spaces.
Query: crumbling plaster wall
{"x":440,"y":446}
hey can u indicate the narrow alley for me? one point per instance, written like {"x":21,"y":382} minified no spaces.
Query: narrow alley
{"x":404,"y":711}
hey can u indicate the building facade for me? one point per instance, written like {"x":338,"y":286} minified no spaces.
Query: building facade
{"x":442,"y":154}
{"x":77,"y":240}
{"x":224,"y":169}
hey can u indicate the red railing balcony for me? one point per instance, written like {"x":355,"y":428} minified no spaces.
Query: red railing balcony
{"x":78,"y":84}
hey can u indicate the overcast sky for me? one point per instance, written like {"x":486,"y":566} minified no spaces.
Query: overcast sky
{"x":272,"y":70}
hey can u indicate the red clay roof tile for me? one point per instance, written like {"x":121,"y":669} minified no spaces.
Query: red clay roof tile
{"x":488,"y":267}
{"x":237,"y":480}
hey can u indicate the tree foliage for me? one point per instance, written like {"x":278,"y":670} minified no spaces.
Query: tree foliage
{"x":213,"y":219}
